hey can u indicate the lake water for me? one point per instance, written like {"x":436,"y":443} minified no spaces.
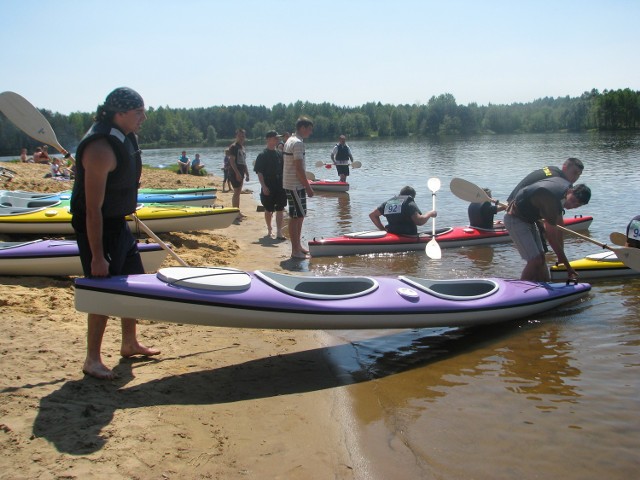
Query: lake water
{"x":554,"y":396}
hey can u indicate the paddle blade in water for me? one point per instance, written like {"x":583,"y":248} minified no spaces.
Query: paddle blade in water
{"x":356,"y":164}
{"x":433,"y":250}
{"x":310,"y":176}
{"x":319,"y":163}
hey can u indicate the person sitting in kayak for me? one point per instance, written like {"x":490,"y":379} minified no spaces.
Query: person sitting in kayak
{"x":481,"y":214}
{"x":633,"y":232}
{"x":402,"y":214}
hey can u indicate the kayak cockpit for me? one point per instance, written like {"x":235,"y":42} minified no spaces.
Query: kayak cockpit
{"x":11,"y":201}
{"x":319,"y":288}
{"x":206,"y":278}
{"x":466,"y":289}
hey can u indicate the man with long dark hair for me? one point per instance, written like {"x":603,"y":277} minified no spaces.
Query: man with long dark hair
{"x":108,"y":169}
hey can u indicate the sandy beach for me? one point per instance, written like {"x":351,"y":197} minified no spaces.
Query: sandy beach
{"x":217,"y":403}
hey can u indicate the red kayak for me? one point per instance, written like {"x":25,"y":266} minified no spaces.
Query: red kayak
{"x":329,"y":186}
{"x":378,"y":241}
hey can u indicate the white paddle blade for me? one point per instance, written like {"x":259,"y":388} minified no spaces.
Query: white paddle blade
{"x":433,"y":249}
{"x":356,"y":164}
{"x":629,"y":256}
{"x":434,"y":184}
{"x":618,"y":238}
{"x":28,"y":119}
{"x":310,"y":176}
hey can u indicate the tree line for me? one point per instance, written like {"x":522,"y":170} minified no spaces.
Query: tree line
{"x":441,"y":115}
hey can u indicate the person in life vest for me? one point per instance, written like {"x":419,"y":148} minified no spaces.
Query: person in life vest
{"x":544,"y":201}
{"x":481,"y":214}
{"x":571,"y":170}
{"x":341,"y":156}
{"x":633,"y":232}
{"x":402,"y":214}
{"x":108,"y":169}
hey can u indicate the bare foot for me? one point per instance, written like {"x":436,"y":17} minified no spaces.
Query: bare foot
{"x":98,"y":370}
{"x":304,"y":250}
{"x":138,"y":349}
{"x":299,"y":255}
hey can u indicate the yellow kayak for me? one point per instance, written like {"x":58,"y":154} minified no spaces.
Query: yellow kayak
{"x":598,"y":265}
{"x":52,"y":218}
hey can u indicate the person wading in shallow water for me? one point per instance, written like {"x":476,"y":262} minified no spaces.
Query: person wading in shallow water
{"x":108,"y":170}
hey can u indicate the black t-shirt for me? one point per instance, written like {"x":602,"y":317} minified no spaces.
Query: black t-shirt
{"x":269,"y":163}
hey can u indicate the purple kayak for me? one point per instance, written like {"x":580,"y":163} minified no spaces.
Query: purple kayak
{"x":227,"y":297}
{"x":60,"y":257}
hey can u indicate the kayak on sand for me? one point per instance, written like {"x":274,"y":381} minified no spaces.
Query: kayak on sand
{"x":49,"y":217}
{"x":60,"y":257}
{"x":378,"y":241}
{"x":228,"y":297}
{"x":11,"y":198}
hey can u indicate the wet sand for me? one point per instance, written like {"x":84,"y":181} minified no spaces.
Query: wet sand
{"x":217,"y":403}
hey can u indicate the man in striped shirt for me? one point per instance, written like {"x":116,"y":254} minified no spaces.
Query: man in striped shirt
{"x":296,"y":184}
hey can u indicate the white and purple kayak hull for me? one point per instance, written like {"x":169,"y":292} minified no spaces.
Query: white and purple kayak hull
{"x":227,"y":297}
{"x":60,"y":257}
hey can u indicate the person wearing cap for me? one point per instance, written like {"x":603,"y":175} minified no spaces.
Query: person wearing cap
{"x":297,"y":185}
{"x":239,"y":172}
{"x":105,"y":191}
{"x":341,"y":155}
{"x":633,"y":232}
{"x":543,"y":200}
{"x":268,"y":166}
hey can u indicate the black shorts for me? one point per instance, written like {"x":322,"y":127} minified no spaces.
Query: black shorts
{"x":343,"y":169}
{"x":235,"y":183}
{"x":120,"y":250}
{"x":274,"y":202}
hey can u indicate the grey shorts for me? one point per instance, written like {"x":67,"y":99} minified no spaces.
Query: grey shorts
{"x":525,"y":236}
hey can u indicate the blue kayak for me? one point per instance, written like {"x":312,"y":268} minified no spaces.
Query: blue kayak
{"x":191,"y":199}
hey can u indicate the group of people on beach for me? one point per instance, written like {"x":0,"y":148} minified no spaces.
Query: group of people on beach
{"x":186,"y":165}
{"x":109,"y":166}
{"x":59,"y":168}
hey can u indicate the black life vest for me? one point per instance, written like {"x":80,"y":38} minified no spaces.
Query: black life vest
{"x":121,"y":194}
{"x":528,"y":212}
{"x":398,"y":215}
{"x":343,"y":152}
{"x":536,"y":176}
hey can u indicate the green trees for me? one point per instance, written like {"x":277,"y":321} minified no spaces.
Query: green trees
{"x":179,"y":127}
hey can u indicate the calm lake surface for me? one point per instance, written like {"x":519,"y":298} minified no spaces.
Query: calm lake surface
{"x":555,"y":396}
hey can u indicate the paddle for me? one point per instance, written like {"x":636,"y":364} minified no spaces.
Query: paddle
{"x":618,"y":238}
{"x":29,"y":119}
{"x":472,"y":193}
{"x":310,"y":176}
{"x":433,"y":249}
{"x":320,"y":163}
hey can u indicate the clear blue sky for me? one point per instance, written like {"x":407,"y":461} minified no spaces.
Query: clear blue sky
{"x":66,"y":55}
